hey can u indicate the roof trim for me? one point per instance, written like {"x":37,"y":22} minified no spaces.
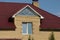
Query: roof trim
{"x":31,"y":9}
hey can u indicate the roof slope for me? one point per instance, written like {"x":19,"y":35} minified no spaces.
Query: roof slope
{"x":9,"y":9}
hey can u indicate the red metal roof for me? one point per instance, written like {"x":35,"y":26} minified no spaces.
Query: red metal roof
{"x":7,"y":10}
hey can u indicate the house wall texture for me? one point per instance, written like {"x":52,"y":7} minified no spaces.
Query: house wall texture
{"x":35,"y":22}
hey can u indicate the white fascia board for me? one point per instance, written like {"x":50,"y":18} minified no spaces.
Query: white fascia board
{"x":36,"y":12}
{"x":31,"y":9}
{"x":19,"y":11}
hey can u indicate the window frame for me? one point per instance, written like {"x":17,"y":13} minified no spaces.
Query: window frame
{"x":27,"y":28}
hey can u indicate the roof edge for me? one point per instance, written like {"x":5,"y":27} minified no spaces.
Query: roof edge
{"x":30,"y":8}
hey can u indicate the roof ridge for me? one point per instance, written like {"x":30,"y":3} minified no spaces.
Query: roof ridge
{"x":15,"y":2}
{"x":49,"y":13}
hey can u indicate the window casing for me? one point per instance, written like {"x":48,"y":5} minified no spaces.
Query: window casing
{"x":26,"y":28}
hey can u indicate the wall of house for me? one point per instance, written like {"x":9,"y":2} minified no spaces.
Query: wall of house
{"x":35,"y":21}
{"x":57,"y":35}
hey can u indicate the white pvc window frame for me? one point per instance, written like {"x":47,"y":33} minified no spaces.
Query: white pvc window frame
{"x":26,"y":29}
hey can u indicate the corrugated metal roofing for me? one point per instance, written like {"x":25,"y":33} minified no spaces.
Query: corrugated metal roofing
{"x":7,"y":10}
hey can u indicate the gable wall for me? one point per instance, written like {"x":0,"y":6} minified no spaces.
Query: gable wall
{"x":35,"y":21}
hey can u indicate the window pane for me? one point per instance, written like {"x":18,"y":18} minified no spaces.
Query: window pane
{"x":24,"y":25}
{"x":29,"y":28}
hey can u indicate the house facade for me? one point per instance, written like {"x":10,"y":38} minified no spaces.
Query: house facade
{"x":23,"y":21}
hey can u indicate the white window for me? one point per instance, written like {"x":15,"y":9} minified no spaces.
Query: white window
{"x":26,"y":28}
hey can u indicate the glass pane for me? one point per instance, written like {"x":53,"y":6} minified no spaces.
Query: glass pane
{"x":29,"y":28}
{"x":24,"y":25}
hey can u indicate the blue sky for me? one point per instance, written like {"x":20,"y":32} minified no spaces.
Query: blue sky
{"x":52,"y":6}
